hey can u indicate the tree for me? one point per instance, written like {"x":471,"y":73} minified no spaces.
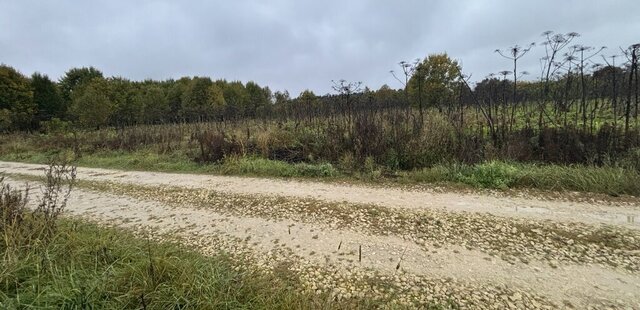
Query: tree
{"x":236,"y":97}
{"x":73,"y":79}
{"x":281,"y":103}
{"x":175,"y":93}
{"x":281,"y":97}
{"x":154,"y":103}
{"x":46,"y":97}
{"x":308,"y":100}
{"x":217,"y":101}
{"x":203,"y":99}
{"x":90,"y":104}
{"x":434,"y":81}
{"x":389,"y":97}
{"x":122,"y":94}
{"x":16,"y":97}
{"x":5,"y":120}
{"x":258,"y":98}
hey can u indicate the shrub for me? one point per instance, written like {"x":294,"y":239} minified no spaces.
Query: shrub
{"x":55,"y":126}
{"x":214,"y":146}
{"x":21,"y":227}
{"x":493,"y":174}
{"x":317,"y":170}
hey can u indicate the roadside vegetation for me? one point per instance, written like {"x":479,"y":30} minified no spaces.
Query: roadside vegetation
{"x":621,"y":178}
{"x":575,"y":127}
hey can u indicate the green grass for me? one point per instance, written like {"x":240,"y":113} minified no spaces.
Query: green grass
{"x":255,"y":166}
{"x":138,"y":160}
{"x":88,"y":267}
{"x":502,"y":175}
{"x":177,"y":162}
{"x":491,"y":175}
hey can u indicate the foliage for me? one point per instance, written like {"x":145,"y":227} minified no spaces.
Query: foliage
{"x":502,"y":175}
{"x":435,"y":80}
{"x":90,"y":105}
{"x":575,"y":114}
{"x":16,"y":96}
{"x":47,"y":97}
{"x":74,"y":79}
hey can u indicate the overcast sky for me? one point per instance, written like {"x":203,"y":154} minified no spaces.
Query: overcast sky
{"x":294,"y":44}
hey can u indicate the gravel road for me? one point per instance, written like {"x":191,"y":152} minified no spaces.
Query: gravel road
{"x":410,"y":246}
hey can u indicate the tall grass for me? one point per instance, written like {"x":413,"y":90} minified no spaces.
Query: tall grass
{"x":88,"y":267}
{"x":265,"y":167}
{"x":503,"y":175}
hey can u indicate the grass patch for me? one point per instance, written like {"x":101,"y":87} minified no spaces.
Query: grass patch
{"x":491,"y":175}
{"x":142,"y":160}
{"x":503,"y":175}
{"x":85,"y":266}
{"x":273,"y":168}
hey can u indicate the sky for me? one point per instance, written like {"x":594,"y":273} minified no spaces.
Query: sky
{"x":296,"y":44}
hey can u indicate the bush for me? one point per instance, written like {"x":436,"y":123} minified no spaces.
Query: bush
{"x":318,"y":170}
{"x":214,"y":146}
{"x":493,"y":174}
{"x":20,"y":226}
{"x":55,"y":126}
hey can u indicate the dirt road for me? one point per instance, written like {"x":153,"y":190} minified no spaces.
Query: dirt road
{"x":421,"y":246}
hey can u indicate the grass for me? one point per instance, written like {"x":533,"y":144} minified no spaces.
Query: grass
{"x":88,"y":267}
{"x":502,"y":175}
{"x":490,"y":175}
{"x":255,"y":166}
{"x":137,"y":160}
{"x":177,"y":162}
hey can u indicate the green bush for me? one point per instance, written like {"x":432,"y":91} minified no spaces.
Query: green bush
{"x":493,"y":174}
{"x":321,"y":170}
{"x":55,"y":126}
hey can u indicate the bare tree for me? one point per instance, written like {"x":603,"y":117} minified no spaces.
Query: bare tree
{"x":553,"y":46}
{"x":408,"y":70}
{"x":581,"y":49}
{"x":514,"y":53}
{"x":632,"y":56}
{"x":346,"y":90}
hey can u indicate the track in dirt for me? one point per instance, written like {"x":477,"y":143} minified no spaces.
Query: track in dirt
{"x":626,"y":214}
{"x":322,"y":244}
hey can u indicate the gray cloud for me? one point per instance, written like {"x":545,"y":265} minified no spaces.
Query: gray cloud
{"x":293,"y":45}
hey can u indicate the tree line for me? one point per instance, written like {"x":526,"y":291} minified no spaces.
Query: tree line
{"x":578,"y":87}
{"x":84,"y":97}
